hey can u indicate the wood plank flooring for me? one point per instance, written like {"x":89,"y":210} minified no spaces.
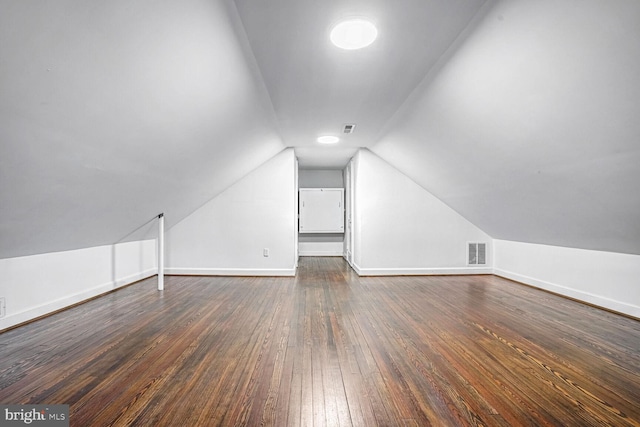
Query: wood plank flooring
{"x":329,"y":349}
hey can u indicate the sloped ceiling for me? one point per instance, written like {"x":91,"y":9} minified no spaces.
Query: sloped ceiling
{"x":113,"y":112}
{"x":521,"y":115}
{"x":316,"y":87}
{"x":530,"y":127}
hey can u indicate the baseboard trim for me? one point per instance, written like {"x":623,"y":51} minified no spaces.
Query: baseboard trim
{"x":457,"y":271}
{"x":17,"y":319}
{"x":276,"y":272}
{"x":346,"y":258}
{"x":581,"y":296}
{"x":320,"y":253}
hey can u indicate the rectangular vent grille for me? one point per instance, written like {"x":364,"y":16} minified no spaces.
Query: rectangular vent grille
{"x":349,"y":128}
{"x":477,"y":254}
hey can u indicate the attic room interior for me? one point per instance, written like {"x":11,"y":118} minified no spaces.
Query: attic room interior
{"x":161,"y":164}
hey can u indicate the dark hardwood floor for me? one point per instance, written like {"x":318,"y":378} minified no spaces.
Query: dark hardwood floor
{"x":329,"y":348}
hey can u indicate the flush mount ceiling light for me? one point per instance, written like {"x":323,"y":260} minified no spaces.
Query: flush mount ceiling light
{"x":327,"y":139}
{"x":353,"y":34}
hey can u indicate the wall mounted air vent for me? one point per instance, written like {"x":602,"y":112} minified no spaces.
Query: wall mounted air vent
{"x":477,"y":254}
{"x":349,"y":128}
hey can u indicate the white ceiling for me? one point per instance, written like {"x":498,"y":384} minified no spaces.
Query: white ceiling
{"x":530,"y":127}
{"x":316,"y":88}
{"x":519,"y":114}
{"x":113,"y":112}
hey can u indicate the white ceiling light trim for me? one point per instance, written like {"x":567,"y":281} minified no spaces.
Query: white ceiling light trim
{"x":328,"y":139}
{"x":353,"y":34}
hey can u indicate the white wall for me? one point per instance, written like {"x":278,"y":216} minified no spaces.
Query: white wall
{"x":321,"y":178}
{"x":605,"y":279}
{"x":228,"y":234}
{"x":39,"y":284}
{"x":400,"y":228}
{"x":529,"y":127}
{"x":113,"y":112}
{"x":321,"y":245}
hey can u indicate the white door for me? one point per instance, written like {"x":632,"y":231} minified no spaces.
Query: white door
{"x":348,"y":236}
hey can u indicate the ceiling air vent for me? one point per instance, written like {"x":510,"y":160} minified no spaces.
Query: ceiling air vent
{"x":477,"y":254}
{"x":349,"y":128}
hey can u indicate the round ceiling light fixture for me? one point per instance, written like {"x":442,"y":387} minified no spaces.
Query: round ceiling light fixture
{"x":353,"y":34}
{"x":328,"y":139}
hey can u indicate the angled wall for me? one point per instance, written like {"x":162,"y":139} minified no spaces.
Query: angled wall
{"x":400,"y":228}
{"x":227,"y":236}
{"x":529,"y":126}
{"x":111,"y":113}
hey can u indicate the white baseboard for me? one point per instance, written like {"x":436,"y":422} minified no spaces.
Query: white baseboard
{"x":420,"y":271}
{"x":597,"y":300}
{"x":230,"y":272}
{"x":320,"y":248}
{"x":320,"y":253}
{"x":69,"y":300}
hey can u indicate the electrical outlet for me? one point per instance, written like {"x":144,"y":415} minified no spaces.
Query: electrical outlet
{"x":265,"y":252}
{"x":3,"y":308}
